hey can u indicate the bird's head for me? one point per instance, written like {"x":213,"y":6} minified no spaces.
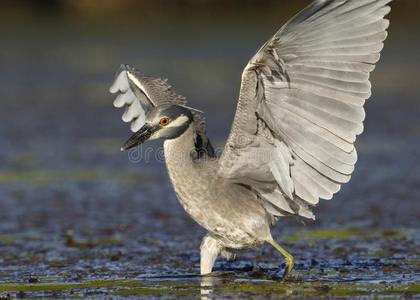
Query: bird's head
{"x":162,"y":122}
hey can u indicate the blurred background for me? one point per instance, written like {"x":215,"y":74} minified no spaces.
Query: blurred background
{"x":73,"y":206}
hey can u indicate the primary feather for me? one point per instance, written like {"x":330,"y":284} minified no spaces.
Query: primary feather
{"x":301,"y":105}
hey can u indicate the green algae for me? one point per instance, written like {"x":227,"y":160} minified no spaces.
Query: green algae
{"x":57,"y":286}
{"x":382,"y":253}
{"x":276,"y":288}
{"x":344,"y":234}
{"x":234,"y":288}
{"x":413,"y":262}
{"x":40,"y":177}
{"x":155,"y":291}
{"x":13,"y":239}
{"x":115,"y":287}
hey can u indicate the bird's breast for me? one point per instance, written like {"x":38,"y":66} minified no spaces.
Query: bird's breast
{"x":229,"y":211}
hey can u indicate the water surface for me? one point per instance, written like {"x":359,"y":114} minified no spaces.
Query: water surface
{"x":79,"y":219}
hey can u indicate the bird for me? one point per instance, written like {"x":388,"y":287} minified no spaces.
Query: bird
{"x":300,"y":109}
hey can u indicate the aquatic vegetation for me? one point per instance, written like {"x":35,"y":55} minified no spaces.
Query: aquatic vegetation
{"x":346,"y":233}
{"x":182,"y":286}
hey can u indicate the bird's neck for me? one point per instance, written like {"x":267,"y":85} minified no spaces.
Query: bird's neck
{"x":190,"y":177}
{"x":178,"y":151}
{"x":185,"y":172}
{"x":179,"y":158}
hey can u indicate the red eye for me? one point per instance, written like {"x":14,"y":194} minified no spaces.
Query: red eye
{"x":164,"y":122}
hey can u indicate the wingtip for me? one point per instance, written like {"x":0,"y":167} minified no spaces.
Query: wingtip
{"x":123,"y":67}
{"x":119,"y":84}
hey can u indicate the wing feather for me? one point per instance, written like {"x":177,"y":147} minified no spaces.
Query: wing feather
{"x":308,"y":84}
{"x":140,"y":94}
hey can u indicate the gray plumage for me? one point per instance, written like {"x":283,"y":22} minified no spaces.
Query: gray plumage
{"x":292,"y":140}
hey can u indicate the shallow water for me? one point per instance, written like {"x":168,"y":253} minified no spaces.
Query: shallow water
{"x":79,"y":219}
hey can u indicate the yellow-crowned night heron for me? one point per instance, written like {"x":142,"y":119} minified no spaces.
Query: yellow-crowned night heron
{"x":300,"y":109}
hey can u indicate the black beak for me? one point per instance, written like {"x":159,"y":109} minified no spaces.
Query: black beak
{"x":139,"y":137}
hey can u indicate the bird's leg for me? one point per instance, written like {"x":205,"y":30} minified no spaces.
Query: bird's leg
{"x":210,"y":249}
{"x":288,"y":258}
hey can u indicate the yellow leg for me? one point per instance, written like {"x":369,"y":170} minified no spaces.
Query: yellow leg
{"x":288,"y":258}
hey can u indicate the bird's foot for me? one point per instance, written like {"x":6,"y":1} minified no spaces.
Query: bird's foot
{"x":288,"y":258}
{"x":289,"y":264}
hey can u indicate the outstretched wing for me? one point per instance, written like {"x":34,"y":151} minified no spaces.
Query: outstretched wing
{"x":301,"y":105}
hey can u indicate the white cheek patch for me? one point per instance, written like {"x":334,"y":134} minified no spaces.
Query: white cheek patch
{"x":181,"y":120}
{"x":155,"y":135}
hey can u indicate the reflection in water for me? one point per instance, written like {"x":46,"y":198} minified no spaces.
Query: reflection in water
{"x":208,"y":283}
{"x":212,"y":285}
